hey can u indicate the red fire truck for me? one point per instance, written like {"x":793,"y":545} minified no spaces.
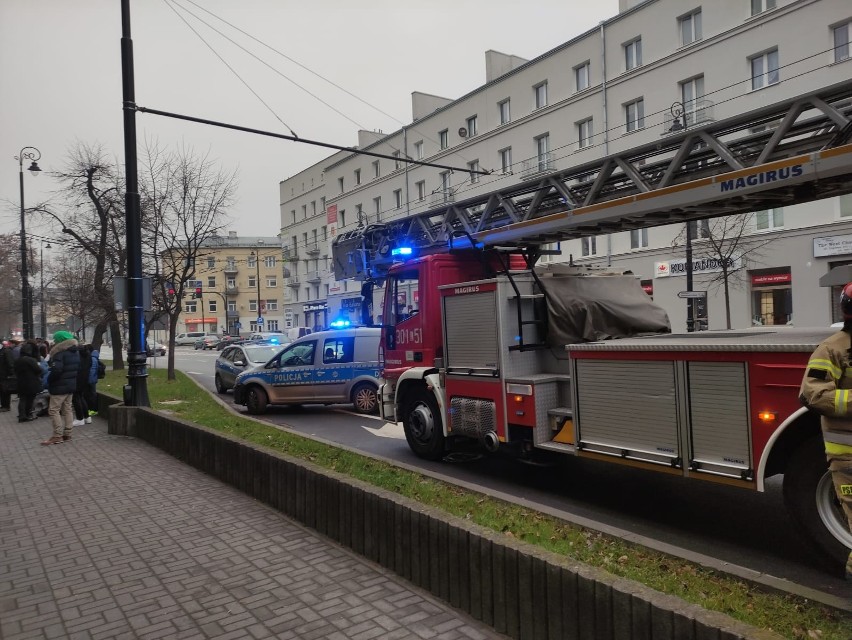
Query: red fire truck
{"x":551,"y":361}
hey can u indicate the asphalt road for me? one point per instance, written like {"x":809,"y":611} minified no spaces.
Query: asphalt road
{"x":735,"y":530}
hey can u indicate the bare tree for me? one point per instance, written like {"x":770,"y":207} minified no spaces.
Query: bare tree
{"x":726,"y":241}
{"x":72,"y":290}
{"x":90,"y":211}
{"x":10,"y":292}
{"x":185,"y":197}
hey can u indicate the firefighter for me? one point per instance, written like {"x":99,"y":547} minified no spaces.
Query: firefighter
{"x":825,"y":389}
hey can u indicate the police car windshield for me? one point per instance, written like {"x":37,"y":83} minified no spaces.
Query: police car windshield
{"x":263,"y":352}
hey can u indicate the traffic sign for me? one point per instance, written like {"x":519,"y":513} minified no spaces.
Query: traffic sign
{"x":259,"y":319}
{"x":692,"y":294}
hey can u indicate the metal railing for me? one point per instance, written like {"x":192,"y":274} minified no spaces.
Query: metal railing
{"x":542,"y":164}
{"x":696,"y":112}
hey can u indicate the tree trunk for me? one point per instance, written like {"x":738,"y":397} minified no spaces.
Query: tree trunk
{"x":98,"y":338}
{"x":173,"y":320}
{"x":727,"y":298}
{"x":117,"y":346}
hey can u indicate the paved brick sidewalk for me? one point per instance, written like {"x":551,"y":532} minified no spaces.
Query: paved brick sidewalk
{"x":107,"y":537}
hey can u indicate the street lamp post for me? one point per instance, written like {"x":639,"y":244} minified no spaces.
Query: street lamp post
{"x":690,"y":306}
{"x":41,"y":291}
{"x":32,"y":154}
{"x":257,"y":281}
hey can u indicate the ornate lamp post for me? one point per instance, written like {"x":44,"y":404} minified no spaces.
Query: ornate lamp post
{"x":32,"y":154}
{"x":41,"y":291}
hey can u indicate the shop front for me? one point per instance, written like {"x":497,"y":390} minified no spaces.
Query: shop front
{"x":202,"y":324}
{"x":771,"y":296}
{"x":316,"y":315}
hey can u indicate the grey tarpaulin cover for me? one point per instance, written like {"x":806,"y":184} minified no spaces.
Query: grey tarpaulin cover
{"x":599,"y":307}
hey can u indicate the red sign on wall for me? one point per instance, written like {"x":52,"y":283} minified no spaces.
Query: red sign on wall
{"x":771,"y":278}
{"x":331,"y":214}
{"x":648,"y":288}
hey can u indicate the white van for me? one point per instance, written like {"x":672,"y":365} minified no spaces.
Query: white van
{"x":190,"y":337}
{"x":294,"y":333}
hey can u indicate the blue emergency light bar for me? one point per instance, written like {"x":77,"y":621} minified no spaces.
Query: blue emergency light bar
{"x":401,"y":251}
{"x":339,"y":324}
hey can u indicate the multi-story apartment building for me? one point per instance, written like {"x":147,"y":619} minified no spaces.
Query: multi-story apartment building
{"x":620,"y":85}
{"x":240,"y":279}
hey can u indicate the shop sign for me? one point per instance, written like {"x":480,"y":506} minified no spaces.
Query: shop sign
{"x":197,"y":320}
{"x":331,"y":214}
{"x":699,"y":265}
{"x":770,"y":279}
{"x":648,"y":288}
{"x":350,"y":304}
{"x":833,"y":246}
{"x":315,"y":306}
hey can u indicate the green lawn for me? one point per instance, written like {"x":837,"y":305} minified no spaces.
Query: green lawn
{"x":791,"y":617}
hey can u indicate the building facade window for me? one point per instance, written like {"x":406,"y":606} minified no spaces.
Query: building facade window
{"x":397,"y":198}
{"x":377,"y":207}
{"x":304,"y":212}
{"x":272,"y":325}
{"x":471,"y":126}
{"x":191,"y":306}
{"x":269,"y":261}
{"x":231,"y":283}
{"x":396,"y":156}
{"x":633,"y":54}
{"x":772,"y":296}
{"x":444,"y":182}
{"x":638,"y":238}
{"x":271,"y":282}
{"x":769,"y":220}
{"x":357,"y":176}
{"x":542,"y":152}
{"x":232,"y":305}
{"x":581,"y":75}
{"x":418,"y":150}
{"x":764,"y":69}
{"x":634,"y":115}
{"x":589,"y":246}
{"x":271,"y":305}
{"x":845,"y":204}
{"x":340,"y":184}
{"x":691,"y":96}
{"x":759,"y":6}
{"x":690,"y":27}
{"x":842,"y":34}
{"x":506,"y":159}
{"x":584,"y":133}
{"x":505,"y":110}
{"x":212,"y":306}
{"x":444,"y":139}
{"x":252,"y":282}
{"x":473,"y":167}
{"x":377,"y":169}
{"x":211,"y":262}
{"x":540,"y":95}
{"x":251,"y":261}
{"x":421,"y":190}
{"x":253,"y":306}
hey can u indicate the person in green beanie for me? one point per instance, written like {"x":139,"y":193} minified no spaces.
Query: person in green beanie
{"x":62,"y":383}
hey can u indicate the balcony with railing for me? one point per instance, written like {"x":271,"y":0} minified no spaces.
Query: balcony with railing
{"x":313,"y":277}
{"x":231,"y":268}
{"x":292,"y":281}
{"x":290,"y":253}
{"x":442,"y":196}
{"x":232,"y":313}
{"x":693,"y":114}
{"x":232,"y":290}
{"x":542,"y":164}
{"x":312,"y":248}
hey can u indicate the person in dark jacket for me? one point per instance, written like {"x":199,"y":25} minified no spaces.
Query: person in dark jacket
{"x":80,"y":398}
{"x":28,"y":372}
{"x":7,"y":371}
{"x":62,"y":383}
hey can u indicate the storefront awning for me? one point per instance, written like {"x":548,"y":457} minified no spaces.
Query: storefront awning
{"x":837,"y":277}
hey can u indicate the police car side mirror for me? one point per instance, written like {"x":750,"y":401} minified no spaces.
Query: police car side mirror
{"x":239,"y":363}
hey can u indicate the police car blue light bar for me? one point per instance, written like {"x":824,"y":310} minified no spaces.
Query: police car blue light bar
{"x":339,"y":324}
{"x":401,"y":251}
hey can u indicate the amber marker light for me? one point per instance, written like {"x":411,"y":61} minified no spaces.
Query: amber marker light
{"x":766,"y":416}
{"x":519,"y":398}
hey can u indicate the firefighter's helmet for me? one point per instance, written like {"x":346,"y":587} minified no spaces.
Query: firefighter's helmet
{"x":846,"y":302}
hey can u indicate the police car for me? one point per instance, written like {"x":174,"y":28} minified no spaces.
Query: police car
{"x":238,"y":358}
{"x":326,"y":367}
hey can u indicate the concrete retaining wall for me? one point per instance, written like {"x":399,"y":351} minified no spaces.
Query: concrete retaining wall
{"x":520,"y":590}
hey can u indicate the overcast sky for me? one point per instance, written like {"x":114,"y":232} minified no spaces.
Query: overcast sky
{"x":60,"y":74}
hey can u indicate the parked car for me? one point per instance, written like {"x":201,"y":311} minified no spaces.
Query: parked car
{"x":209,"y":341}
{"x":278,"y":337}
{"x":155,"y":349}
{"x":224,"y":341}
{"x":324,"y":367}
{"x":191,"y":337}
{"x":238,"y":358}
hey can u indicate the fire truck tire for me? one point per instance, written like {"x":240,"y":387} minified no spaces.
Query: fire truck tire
{"x":811,"y":500}
{"x":256,"y":400}
{"x":364,"y":398}
{"x":421,"y":421}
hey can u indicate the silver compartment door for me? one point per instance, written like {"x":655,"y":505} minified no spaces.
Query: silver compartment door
{"x":719,"y":418}
{"x":470,"y":324}
{"x":628,"y":409}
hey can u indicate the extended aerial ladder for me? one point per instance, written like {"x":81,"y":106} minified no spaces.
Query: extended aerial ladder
{"x":793,"y":151}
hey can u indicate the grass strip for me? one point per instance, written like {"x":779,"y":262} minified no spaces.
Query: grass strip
{"x":792,"y":617}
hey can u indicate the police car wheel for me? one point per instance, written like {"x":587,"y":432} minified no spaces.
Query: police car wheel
{"x":364,"y":398}
{"x":422,"y":424}
{"x":220,"y":386}
{"x":256,"y":400}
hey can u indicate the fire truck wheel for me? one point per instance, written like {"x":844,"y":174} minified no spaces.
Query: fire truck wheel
{"x":256,"y":400}
{"x":812,"y":502}
{"x":364,"y":398}
{"x":422,"y":424}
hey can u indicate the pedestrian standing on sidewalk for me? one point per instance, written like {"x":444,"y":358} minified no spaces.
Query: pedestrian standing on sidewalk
{"x":92,"y":387}
{"x":62,"y":382}
{"x":7,"y":376}
{"x":79,"y":400}
{"x":28,"y":372}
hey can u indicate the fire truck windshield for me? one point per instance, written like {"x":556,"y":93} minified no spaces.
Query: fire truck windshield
{"x":402,"y":295}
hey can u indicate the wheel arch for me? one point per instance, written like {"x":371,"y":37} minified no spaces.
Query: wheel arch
{"x":421,"y":378}
{"x":795,"y":430}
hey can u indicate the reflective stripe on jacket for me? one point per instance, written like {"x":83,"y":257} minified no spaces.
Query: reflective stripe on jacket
{"x":825,"y":389}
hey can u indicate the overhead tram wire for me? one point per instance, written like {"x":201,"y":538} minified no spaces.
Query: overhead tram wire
{"x":295,"y":138}
{"x":300,"y":65}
